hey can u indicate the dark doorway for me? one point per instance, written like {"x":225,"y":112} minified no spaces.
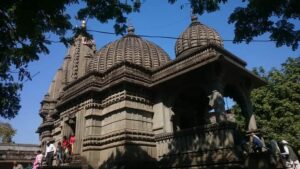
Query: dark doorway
{"x":190,"y":108}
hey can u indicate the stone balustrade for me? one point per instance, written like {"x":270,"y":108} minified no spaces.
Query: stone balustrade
{"x":212,"y":144}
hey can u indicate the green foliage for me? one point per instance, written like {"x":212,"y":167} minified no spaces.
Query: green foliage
{"x":26,"y":24}
{"x":277,"y":105}
{"x":6,"y":132}
{"x":241,"y":120}
{"x":10,"y":99}
{"x":23,"y":36}
{"x":200,"y":6}
{"x":276,"y":17}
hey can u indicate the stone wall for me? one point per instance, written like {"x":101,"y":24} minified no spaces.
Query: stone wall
{"x":21,"y":153}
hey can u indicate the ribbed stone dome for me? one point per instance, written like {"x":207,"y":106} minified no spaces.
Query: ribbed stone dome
{"x":131,"y":48}
{"x":197,"y":35}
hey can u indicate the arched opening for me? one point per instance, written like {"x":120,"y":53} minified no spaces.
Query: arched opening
{"x":236,"y":106}
{"x":190,"y":109}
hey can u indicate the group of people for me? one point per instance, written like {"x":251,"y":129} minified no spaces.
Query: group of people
{"x":64,"y":149}
{"x":282,"y":150}
{"x":62,"y":152}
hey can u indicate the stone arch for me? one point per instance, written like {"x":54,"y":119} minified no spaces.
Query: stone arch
{"x":240,"y":97}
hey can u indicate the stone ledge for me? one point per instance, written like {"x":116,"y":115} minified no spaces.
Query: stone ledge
{"x":194,"y":130}
{"x":118,"y":136}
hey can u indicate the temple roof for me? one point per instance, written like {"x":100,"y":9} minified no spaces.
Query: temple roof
{"x":130,"y":48}
{"x":197,"y":35}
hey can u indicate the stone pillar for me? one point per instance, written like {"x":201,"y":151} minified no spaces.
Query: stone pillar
{"x":250,"y":114}
{"x":79,"y":131}
{"x":162,"y":119}
{"x":89,"y":126}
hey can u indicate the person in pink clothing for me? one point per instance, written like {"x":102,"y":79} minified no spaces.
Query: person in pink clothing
{"x":38,"y":160}
{"x":72,"y":142}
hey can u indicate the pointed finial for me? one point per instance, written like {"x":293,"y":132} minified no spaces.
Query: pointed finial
{"x":194,"y":18}
{"x":130,"y":30}
{"x":83,"y":24}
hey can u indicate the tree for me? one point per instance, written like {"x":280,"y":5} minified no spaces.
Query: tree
{"x":277,"y":105}
{"x":6,"y":132}
{"x":275,"y":17}
{"x":9,"y":99}
{"x":258,"y":17}
{"x":23,"y":28}
{"x":25,"y":24}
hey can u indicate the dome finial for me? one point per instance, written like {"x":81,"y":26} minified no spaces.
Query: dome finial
{"x":83,"y":24}
{"x":130,"y":29}
{"x":194,"y":18}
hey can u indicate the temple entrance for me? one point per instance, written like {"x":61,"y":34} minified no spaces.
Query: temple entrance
{"x":190,"y":110}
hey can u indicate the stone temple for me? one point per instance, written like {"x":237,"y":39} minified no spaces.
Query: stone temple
{"x":131,"y":106}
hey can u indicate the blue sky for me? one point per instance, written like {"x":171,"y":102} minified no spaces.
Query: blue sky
{"x":156,"y":17}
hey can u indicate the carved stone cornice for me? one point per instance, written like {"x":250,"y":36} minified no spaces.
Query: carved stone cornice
{"x":74,"y":107}
{"x":129,"y":136}
{"x":47,"y":107}
{"x":125,"y":95}
{"x":100,"y":81}
{"x":119,"y":143}
{"x":48,"y":100}
{"x":108,"y":100}
{"x":45,"y":134}
{"x":93,"y":106}
{"x":45,"y":126}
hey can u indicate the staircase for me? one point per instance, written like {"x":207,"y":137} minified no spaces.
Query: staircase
{"x":77,"y":162}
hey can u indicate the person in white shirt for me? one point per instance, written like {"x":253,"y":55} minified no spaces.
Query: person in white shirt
{"x":288,"y":153}
{"x":50,"y":151}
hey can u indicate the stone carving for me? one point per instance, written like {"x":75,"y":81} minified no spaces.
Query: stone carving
{"x":216,"y":101}
{"x":88,"y":42}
